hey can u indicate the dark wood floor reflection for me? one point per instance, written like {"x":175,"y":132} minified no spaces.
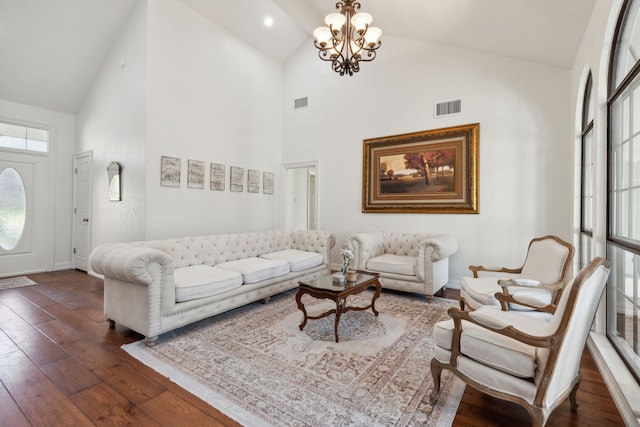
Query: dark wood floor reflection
{"x":60,"y":364}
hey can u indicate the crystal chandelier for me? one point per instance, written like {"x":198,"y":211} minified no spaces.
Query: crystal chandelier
{"x":347,"y":39}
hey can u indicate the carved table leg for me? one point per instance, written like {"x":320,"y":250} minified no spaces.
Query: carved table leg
{"x":301,"y":307}
{"x":375,"y":297}
{"x":340,"y":303}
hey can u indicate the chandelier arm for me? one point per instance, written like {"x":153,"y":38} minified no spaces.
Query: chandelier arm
{"x":371,"y":55}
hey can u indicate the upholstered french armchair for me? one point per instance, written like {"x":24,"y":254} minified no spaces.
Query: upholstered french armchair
{"x":515,"y":357}
{"x":537,"y":284}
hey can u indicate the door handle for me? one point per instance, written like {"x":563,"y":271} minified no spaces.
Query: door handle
{"x":85,"y":220}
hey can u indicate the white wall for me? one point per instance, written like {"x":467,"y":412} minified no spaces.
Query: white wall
{"x":215,"y":99}
{"x":62,"y":134}
{"x":525,"y":141}
{"x":112,"y":123}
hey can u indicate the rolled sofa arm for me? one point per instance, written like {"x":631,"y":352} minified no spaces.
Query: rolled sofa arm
{"x":431,"y":250}
{"x":365,"y":246}
{"x":442,"y":247}
{"x":129,"y":263}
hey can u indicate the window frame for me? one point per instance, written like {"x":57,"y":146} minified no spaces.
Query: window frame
{"x":620,"y":246}
{"x":27,"y":126}
{"x":586,"y":233}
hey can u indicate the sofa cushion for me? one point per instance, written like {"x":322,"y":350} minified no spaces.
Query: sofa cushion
{"x":298,"y":260}
{"x":481,"y":290}
{"x":256,"y":269}
{"x":390,"y":263}
{"x":200,"y":281}
{"x":495,"y":350}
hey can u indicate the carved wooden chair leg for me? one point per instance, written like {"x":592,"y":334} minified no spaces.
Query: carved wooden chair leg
{"x":436,"y":372}
{"x":112,"y":324}
{"x":538,"y":419}
{"x":572,"y":395}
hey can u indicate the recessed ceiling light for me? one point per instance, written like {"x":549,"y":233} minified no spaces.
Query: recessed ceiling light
{"x":268,"y":21}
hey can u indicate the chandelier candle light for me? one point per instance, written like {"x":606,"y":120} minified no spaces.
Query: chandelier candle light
{"x":347,"y":39}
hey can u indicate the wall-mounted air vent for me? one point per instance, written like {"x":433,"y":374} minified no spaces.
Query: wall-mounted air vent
{"x":301,"y":103}
{"x":449,"y":107}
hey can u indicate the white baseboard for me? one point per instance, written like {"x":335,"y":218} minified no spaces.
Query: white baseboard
{"x":453,"y":284}
{"x":622,"y":385}
{"x":21,"y":273}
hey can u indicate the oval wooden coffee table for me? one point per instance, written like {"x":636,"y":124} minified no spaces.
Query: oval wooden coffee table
{"x":325,"y":287}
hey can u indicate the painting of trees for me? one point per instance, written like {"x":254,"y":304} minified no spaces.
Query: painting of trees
{"x":430,"y":161}
{"x":432,"y":171}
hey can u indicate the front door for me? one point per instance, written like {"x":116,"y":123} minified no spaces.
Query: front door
{"x":24,"y":236}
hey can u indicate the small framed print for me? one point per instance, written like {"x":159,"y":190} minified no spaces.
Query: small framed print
{"x":253,"y":181}
{"x":217,"y":176}
{"x":170,"y":171}
{"x":236,"y":179}
{"x":195,"y":176}
{"x":267,"y":182}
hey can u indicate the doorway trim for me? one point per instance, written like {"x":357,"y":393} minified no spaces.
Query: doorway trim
{"x":315,"y":164}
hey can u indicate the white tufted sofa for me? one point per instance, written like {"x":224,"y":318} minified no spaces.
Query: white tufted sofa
{"x":143,"y":281}
{"x":410,"y":262}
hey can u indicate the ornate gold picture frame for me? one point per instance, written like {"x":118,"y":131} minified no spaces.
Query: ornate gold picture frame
{"x":434,"y":171}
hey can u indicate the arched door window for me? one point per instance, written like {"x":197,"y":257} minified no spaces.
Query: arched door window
{"x":13,"y":208}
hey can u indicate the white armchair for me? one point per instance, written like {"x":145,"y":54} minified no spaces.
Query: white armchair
{"x":538,"y":283}
{"x":410,"y":262}
{"x":515,"y":357}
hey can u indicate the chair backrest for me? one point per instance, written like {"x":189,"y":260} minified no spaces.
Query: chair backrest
{"x":548,"y":260}
{"x":572,"y":322}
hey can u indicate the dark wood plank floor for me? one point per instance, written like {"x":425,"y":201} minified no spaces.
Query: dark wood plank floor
{"x":60,"y":364}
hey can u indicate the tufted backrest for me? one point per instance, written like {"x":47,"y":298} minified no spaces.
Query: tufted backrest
{"x":312,"y":241}
{"x":404,"y":244}
{"x":218,"y":248}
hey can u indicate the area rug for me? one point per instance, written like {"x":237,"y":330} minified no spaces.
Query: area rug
{"x":256,"y":366}
{"x":15,"y":282}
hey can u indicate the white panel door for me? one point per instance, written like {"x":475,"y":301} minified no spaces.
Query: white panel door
{"x":82,"y":210}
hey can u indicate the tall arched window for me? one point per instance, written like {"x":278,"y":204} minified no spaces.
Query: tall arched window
{"x":623,"y":196}
{"x":587,"y":171}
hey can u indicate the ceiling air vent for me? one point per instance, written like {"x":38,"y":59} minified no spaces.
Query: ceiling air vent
{"x":300,"y":102}
{"x":449,"y":107}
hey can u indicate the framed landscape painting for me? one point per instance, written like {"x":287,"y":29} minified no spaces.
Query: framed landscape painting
{"x":434,"y":171}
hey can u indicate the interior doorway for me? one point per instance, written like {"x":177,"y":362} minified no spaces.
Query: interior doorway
{"x":300,"y":196}
{"x":82,"y":179}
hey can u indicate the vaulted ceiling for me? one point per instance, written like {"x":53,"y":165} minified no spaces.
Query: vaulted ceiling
{"x":51,"y":50}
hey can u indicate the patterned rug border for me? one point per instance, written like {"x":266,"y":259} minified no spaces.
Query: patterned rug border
{"x":446,"y":407}
{"x":15,"y":282}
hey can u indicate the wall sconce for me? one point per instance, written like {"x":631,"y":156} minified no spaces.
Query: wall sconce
{"x":113,"y":171}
